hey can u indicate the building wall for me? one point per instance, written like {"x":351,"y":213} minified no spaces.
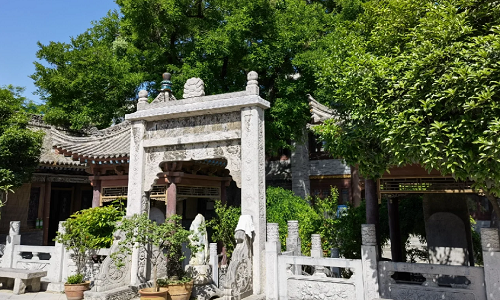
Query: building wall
{"x":16,"y":208}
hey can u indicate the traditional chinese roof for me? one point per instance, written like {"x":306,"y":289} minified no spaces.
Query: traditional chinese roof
{"x":319,"y":112}
{"x":109,"y":143}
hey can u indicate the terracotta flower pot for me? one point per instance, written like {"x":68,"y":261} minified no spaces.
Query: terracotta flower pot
{"x":75,"y":291}
{"x":151,"y":294}
{"x":180,"y":291}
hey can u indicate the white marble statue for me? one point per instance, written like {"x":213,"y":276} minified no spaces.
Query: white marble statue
{"x":199,"y":239}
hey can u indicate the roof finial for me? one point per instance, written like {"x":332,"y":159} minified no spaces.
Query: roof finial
{"x":252,"y":83}
{"x":166,"y":84}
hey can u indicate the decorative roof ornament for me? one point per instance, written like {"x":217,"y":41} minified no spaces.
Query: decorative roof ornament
{"x":166,"y":84}
{"x":143,"y":97}
{"x":252,"y":83}
{"x":165,"y":90}
{"x":194,"y":87}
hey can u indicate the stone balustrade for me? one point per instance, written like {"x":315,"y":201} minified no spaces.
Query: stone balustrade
{"x":56,"y":260}
{"x":290,"y":275}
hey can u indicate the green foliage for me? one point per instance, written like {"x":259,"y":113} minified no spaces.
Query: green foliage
{"x":87,"y":230}
{"x":19,"y":146}
{"x":224,"y":225}
{"x":283,"y":206}
{"x":342,"y":231}
{"x":159,"y":241}
{"x":416,"y":81}
{"x":94,"y":78}
{"x":477,"y":249}
{"x":164,"y":282}
{"x":75,"y":279}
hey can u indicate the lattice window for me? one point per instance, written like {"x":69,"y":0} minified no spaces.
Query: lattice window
{"x":158,"y":193}
{"x":424,"y":185}
{"x":198,"y":191}
{"x":112,"y":193}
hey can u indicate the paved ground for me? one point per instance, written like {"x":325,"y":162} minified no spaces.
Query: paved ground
{"x":8,"y":295}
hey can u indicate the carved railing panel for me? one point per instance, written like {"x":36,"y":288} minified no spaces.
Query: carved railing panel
{"x":439,"y":282}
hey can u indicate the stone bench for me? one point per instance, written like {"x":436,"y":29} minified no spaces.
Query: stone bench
{"x":20,"y":279}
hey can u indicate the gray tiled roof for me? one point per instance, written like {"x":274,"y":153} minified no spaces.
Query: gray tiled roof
{"x":112,"y":142}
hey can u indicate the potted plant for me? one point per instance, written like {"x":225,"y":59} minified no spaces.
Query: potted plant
{"x":161,"y":242}
{"x":83,"y":233}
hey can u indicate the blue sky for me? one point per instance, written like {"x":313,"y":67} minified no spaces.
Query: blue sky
{"x":24,"y":23}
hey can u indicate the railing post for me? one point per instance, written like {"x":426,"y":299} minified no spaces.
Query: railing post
{"x":335,"y":253}
{"x":491,"y":259}
{"x":59,"y":266}
{"x":294,"y":244}
{"x":214,"y":263}
{"x":273,"y":249}
{"x":369,"y":255}
{"x":13,"y":239}
{"x":317,"y":252}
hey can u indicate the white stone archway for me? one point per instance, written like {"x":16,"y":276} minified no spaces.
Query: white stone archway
{"x":229,"y":126}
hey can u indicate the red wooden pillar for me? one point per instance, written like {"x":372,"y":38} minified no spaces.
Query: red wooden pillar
{"x":96,"y":193}
{"x":46,"y":211}
{"x":171,"y":199}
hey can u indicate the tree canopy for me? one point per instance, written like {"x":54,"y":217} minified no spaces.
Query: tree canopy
{"x":95,"y":78}
{"x":416,"y":82}
{"x":19,"y":146}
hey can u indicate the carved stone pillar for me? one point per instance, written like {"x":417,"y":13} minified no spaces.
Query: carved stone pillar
{"x":491,"y":256}
{"x":273,"y":247}
{"x":13,"y":239}
{"x":253,"y":187}
{"x":301,"y":184}
{"x":137,"y":199}
{"x":369,"y":260}
{"x":317,"y":252}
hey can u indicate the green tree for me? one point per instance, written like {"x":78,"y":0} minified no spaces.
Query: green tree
{"x":282,"y":206}
{"x":416,"y":82}
{"x":19,"y":146}
{"x":94,"y":79}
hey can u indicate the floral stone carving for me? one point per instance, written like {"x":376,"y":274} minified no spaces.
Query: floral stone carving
{"x":238,"y":281}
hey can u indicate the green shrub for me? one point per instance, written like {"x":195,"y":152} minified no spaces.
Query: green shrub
{"x":224,"y":224}
{"x":282,"y":206}
{"x":75,"y":279}
{"x":89,"y":229}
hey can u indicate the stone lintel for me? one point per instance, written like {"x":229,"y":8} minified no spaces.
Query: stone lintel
{"x":199,"y":106}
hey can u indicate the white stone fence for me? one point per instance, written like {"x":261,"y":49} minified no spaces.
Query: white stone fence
{"x":289,"y":275}
{"x":56,"y":260}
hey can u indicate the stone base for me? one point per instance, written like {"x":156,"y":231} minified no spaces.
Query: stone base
{"x":256,"y":297}
{"x":121,"y":293}
{"x":205,"y":292}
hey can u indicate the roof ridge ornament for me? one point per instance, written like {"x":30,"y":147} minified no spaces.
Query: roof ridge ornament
{"x":194,"y":87}
{"x":165,"y":90}
{"x":252,"y":83}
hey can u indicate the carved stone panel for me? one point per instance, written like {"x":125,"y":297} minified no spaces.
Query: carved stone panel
{"x":196,"y":125}
{"x":230,"y":150}
{"x":300,"y":289}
